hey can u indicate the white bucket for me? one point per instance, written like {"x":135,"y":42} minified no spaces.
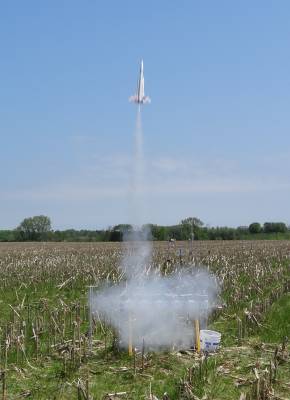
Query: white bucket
{"x":209,"y":340}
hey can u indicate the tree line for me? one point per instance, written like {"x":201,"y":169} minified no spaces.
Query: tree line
{"x":38,"y":228}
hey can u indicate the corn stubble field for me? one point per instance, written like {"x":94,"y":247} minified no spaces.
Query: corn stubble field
{"x":45,"y":348}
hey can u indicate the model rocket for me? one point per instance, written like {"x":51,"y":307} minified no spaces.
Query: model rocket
{"x":140,"y":97}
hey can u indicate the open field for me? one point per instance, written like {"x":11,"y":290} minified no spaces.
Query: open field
{"x":44,"y":324}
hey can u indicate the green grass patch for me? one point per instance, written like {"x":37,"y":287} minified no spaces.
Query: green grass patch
{"x":276,"y":325}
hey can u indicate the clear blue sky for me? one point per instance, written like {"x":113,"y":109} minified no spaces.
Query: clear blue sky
{"x":216,"y":133}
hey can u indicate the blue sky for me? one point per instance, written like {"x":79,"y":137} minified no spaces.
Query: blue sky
{"x":216,"y":135}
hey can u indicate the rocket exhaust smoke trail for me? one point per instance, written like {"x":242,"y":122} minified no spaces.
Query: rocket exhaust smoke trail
{"x":137,"y":244}
{"x":139,"y":157}
{"x":138,"y":172}
{"x":150,"y":308}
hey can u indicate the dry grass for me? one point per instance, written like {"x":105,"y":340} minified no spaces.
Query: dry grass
{"x":44,"y":313}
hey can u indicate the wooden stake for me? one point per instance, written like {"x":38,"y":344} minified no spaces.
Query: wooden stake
{"x":197,"y":335}
{"x":130,"y":341}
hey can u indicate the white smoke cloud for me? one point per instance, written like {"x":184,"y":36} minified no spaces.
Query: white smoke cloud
{"x":160,"y":309}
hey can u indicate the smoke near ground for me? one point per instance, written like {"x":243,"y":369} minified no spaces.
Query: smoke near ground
{"x":149,"y":308}
{"x":159,"y":311}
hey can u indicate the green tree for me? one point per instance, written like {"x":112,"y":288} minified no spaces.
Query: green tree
{"x":193,"y":221}
{"x":275,"y":227}
{"x":191,"y":227}
{"x":121,"y":232}
{"x":7,"y":236}
{"x":255,"y":227}
{"x":34,"y":228}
